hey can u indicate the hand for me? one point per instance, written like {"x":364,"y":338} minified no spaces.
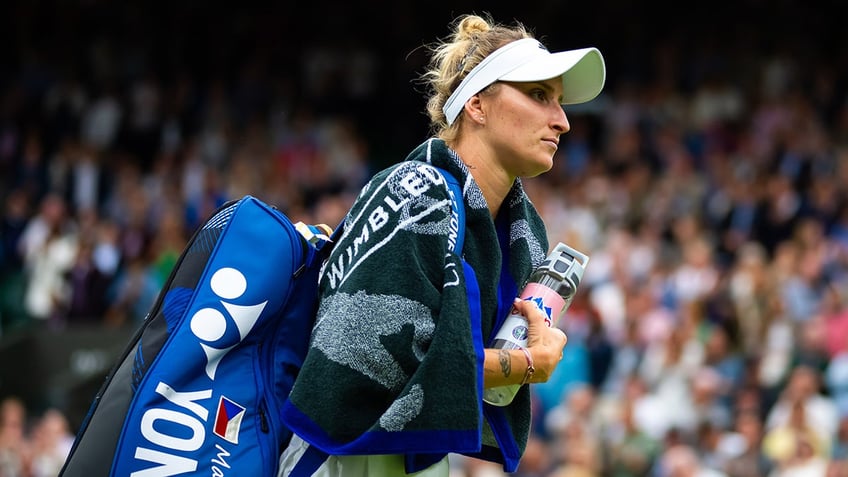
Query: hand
{"x":544,"y":344}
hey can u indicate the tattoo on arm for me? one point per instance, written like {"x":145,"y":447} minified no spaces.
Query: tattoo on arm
{"x":506,"y":362}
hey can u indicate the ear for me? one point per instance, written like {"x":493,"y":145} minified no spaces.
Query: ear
{"x":474,"y":109}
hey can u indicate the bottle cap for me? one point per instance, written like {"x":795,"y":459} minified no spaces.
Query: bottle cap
{"x":566,"y":263}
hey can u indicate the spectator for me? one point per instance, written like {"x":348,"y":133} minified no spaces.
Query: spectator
{"x":87,"y":289}
{"x":727,"y":362}
{"x":630,"y":451}
{"x":748,"y":289}
{"x":742,"y":447}
{"x":51,"y":444}
{"x":50,"y":245}
{"x":576,"y":417}
{"x":15,"y":449}
{"x":803,"y":407}
{"x":16,"y":214}
{"x":682,"y":461}
{"x":668,"y":368}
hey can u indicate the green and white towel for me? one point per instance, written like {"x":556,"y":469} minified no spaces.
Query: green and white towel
{"x":395,"y":359}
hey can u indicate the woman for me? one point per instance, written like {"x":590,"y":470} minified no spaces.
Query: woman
{"x":394,"y":376}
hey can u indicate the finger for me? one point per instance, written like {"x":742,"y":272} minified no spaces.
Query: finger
{"x":529,"y":310}
{"x":564,"y":336}
{"x":564,"y":339}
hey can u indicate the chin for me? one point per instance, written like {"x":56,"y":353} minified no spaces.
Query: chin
{"x":532,"y":165}
{"x":535,"y":172}
{"x":540,"y":168}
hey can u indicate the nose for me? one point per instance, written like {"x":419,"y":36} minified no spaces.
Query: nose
{"x":559,"y":122}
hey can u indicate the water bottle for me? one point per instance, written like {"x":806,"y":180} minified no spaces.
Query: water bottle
{"x":551,"y":287}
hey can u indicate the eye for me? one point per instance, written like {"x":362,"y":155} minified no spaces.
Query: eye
{"x":539,"y":95}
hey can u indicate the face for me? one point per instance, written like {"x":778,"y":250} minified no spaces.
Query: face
{"x":523,"y":124}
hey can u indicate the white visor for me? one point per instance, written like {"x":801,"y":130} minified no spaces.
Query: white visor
{"x":583,"y":72}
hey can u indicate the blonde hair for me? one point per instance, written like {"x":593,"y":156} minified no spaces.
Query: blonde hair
{"x":473,"y":39}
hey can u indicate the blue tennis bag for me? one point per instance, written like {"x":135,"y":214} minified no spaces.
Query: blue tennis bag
{"x":198,"y":389}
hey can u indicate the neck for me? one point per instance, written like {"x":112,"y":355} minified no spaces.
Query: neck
{"x":493,"y":180}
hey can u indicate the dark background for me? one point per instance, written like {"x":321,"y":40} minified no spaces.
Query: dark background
{"x":257,"y":49}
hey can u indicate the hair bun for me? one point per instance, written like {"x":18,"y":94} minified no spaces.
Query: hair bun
{"x":471,"y":25}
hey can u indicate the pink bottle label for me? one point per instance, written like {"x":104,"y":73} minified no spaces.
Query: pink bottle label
{"x":545,"y":299}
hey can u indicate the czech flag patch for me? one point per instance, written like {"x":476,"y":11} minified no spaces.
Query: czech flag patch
{"x":228,"y":420}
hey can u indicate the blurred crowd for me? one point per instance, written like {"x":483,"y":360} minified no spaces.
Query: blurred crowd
{"x":710,"y":334}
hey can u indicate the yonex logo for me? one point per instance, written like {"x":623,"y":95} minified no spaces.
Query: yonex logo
{"x":183,"y":430}
{"x":209,"y":325}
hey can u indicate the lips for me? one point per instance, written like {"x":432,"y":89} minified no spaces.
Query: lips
{"x":551,"y":141}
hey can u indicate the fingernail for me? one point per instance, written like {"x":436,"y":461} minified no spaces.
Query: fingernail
{"x":516,"y":300}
